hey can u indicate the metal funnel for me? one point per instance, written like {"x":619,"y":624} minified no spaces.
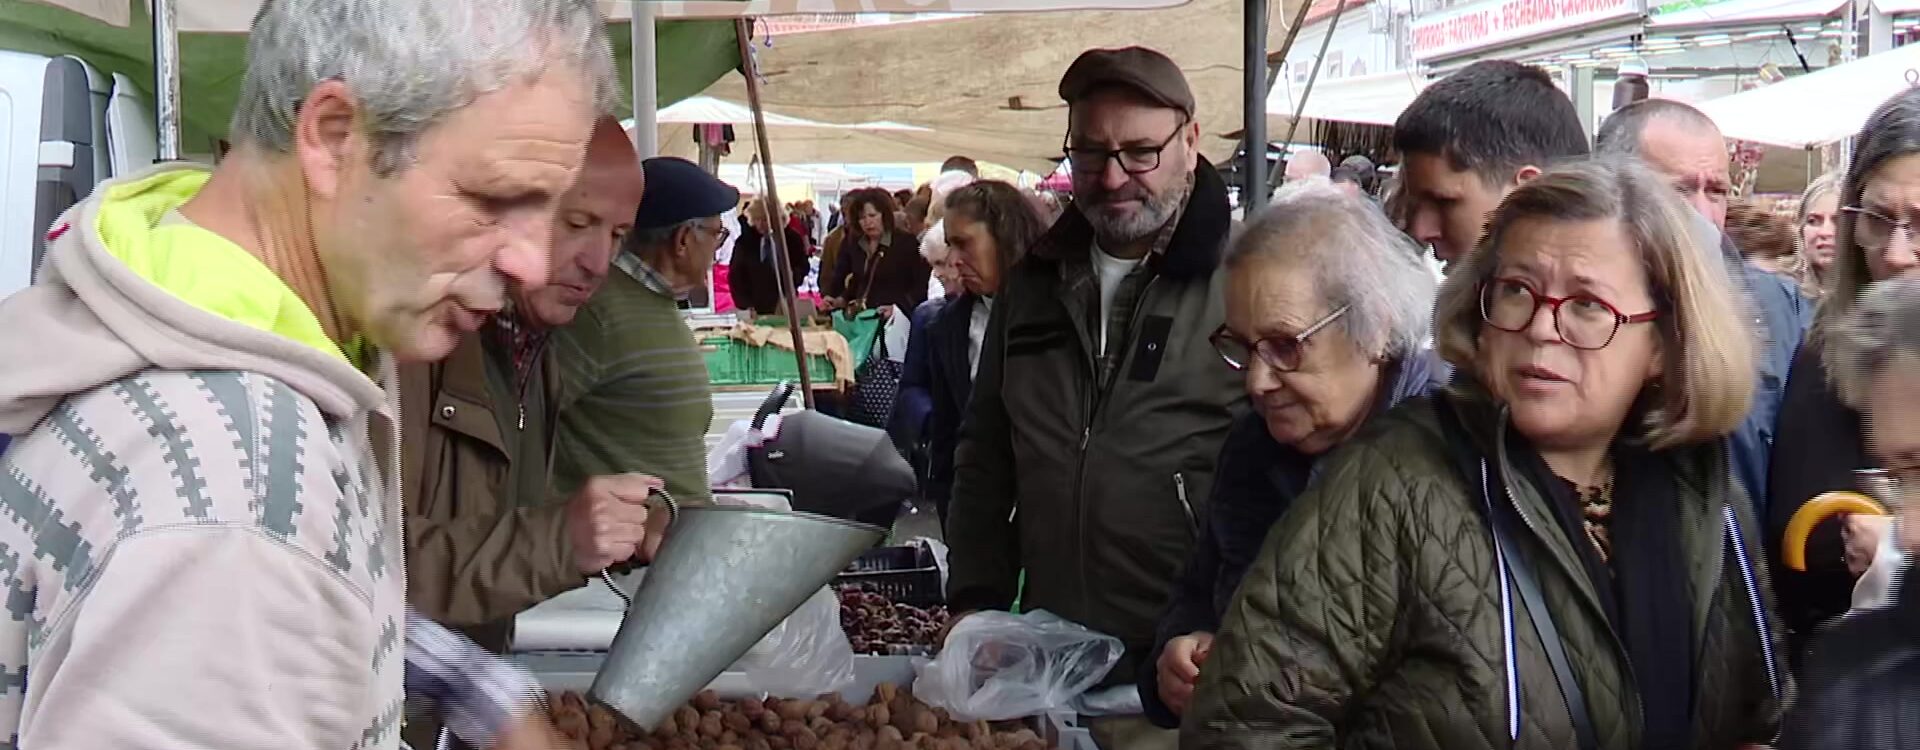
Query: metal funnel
{"x":723,"y":579}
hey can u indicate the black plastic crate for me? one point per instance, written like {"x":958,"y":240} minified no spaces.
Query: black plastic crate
{"x":906,"y":575}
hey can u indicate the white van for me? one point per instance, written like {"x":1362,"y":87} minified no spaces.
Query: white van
{"x":64,"y":128}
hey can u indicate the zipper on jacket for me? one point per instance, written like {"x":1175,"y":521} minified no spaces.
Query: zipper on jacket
{"x":1753,"y":599}
{"x":1180,"y":491}
{"x":1619,"y":646}
{"x":1090,"y":406}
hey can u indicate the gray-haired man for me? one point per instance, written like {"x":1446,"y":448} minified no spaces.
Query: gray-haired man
{"x":201,"y":526}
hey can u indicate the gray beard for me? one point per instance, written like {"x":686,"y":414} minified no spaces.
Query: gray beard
{"x":1153,"y":215}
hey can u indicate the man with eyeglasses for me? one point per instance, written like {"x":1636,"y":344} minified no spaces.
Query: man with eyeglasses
{"x":634,"y":395}
{"x":1682,"y":143}
{"x":1099,"y":406}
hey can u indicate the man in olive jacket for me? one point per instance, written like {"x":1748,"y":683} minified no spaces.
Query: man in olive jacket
{"x":485,"y":536}
{"x":1099,"y":405}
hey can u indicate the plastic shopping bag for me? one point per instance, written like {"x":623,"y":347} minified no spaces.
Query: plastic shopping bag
{"x":807,"y":654}
{"x":998,"y":666}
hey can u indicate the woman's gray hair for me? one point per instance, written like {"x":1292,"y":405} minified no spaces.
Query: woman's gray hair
{"x":409,"y":63}
{"x":1882,"y":331}
{"x":1357,"y":258}
{"x":933,"y":242}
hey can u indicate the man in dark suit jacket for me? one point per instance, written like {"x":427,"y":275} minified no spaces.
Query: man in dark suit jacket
{"x":750,"y":273}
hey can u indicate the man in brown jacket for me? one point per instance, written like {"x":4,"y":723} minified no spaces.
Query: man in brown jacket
{"x":485,"y":538}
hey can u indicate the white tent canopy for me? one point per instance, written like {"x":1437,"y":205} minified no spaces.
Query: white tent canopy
{"x":1372,"y":99}
{"x":235,"y":16}
{"x":820,"y":176}
{"x":1817,"y":108}
{"x":707,"y":110}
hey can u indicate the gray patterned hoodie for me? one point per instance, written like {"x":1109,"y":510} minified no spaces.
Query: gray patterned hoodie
{"x":197,"y":548}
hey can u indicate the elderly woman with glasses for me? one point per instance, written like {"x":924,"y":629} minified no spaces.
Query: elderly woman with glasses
{"x":1550,"y":554}
{"x":1328,"y":308}
{"x":1819,"y":441}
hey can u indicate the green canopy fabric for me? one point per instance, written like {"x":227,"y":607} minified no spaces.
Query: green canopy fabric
{"x":692,"y":54}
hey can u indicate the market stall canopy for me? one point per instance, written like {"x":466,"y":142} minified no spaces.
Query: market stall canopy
{"x":1820,"y":107}
{"x":985,"y":85}
{"x":820,"y":176}
{"x":113,"y":36}
{"x":234,"y":16}
{"x":1374,"y":99}
{"x":1738,"y":13}
{"x":706,"y":110}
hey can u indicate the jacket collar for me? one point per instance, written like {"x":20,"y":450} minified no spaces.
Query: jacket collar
{"x":1706,"y":484}
{"x":1199,"y":234}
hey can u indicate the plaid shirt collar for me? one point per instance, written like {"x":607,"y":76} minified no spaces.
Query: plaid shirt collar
{"x":632,"y":265}
{"x":522,"y":340}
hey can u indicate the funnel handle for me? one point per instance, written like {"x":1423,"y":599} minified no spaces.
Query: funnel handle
{"x":673,"y":514}
{"x":776,"y":401}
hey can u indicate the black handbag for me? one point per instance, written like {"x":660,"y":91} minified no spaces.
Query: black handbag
{"x":876,"y":386}
{"x":833,"y":467}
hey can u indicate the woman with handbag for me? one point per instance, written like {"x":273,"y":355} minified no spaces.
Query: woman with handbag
{"x":1552,"y":554}
{"x":879,"y":264}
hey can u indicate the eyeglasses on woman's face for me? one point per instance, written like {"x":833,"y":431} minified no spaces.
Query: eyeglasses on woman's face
{"x":1582,"y":320}
{"x":1282,"y":353}
{"x":1874,"y":230}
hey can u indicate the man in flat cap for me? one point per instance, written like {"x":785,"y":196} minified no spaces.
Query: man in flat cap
{"x":1099,"y":407}
{"x":634,"y":395}
{"x":487,"y":536}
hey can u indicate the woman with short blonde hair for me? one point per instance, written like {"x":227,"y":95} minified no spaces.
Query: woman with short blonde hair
{"x":1550,"y":554}
{"x":1707,"y":394}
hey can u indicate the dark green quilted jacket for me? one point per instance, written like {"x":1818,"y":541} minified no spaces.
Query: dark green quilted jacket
{"x":1373,"y":616}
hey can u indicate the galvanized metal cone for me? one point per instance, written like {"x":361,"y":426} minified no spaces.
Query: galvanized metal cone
{"x":723,"y":579}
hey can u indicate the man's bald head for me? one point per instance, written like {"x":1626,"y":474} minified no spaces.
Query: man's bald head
{"x":1308,"y":163}
{"x":594,"y":215}
{"x":1678,"y":141}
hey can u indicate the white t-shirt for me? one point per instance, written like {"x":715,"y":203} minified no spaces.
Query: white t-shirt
{"x":977,"y":333}
{"x":1110,"y":271}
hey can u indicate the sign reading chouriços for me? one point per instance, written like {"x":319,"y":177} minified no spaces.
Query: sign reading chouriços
{"x":1493,"y":22}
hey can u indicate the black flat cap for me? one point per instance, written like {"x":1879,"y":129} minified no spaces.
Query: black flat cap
{"x":1138,"y":68}
{"x":678,"y":190}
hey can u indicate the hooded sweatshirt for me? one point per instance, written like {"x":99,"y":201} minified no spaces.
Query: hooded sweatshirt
{"x":197,"y":545}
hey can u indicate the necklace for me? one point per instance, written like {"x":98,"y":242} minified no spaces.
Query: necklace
{"x":1596,"y":511}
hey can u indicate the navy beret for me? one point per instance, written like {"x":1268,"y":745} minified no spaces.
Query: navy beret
{"x":678,"y":190}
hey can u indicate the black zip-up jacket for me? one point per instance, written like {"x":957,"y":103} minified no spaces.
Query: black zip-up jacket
{"x":1095,"y":492}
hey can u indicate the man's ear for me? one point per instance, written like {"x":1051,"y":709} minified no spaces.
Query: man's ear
{"x":324,"y":137}
{"x":1525,"y":174}
{"x":1192,"y":137}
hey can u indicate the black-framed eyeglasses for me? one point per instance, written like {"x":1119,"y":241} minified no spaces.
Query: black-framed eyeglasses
{"x":720,"y":232}
{"x":1133,"y":160}
{"x":1282,"y":353}
{"x":1873,"y":230}
{"x":1582,"y":320}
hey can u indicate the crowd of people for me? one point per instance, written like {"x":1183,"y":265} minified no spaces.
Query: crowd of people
{"x":411,"y":358}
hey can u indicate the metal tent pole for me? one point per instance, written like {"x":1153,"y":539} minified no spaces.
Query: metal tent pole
{"x":1286,"y":45}
{"x":166,"y":78}
{"x":1254,"y":106}
{"x":1300,"y":107}
{"x":646,"y":86}
{"x":776,"y":218}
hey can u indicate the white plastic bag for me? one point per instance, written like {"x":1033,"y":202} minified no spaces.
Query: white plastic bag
{"x":807,"y":654}
{"x":998,"y":666}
